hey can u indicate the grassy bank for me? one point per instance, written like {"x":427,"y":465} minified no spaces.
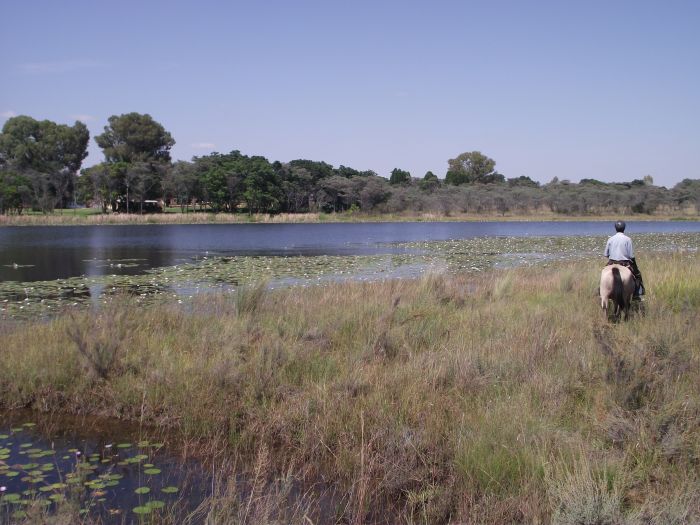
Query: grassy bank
{"x":494,"y":398}
{"x":94,"y":217}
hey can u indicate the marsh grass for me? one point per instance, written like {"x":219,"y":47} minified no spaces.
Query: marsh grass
{"x":96,"y":217}
{"x":501,"y":397}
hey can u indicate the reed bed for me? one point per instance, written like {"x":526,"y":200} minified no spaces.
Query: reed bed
{"x":502,"y":397}
{"x":85,"y":218}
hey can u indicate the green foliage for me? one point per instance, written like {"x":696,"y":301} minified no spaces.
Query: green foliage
{"x":399,"y":176}
{"x":134,"y":137}
{"x":47,"y":155}
{"x":429,"y":182}
{"x":39,"y":161}
{"x":523,"y":181}
{"x":471,"y":167}
{"x":14,"y":192}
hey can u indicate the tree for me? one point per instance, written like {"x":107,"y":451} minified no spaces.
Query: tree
{"x":143,"y":179}
{"x":399,"y":177}
{"x":140,"y":146}
{"x":14,"y":191}
{"x":523,"y":181}
{"x":429,"y":182}
{"x":47,"y":154}
{"x":472,"y":167}
{"x":297,"y":187}
{"x":133,"y":137}
{"x":262,"y":188}
{"x":317,"y":170}
{"x":374,"y":192}
{"x":180,"y":183}
{"x":336,"y":194}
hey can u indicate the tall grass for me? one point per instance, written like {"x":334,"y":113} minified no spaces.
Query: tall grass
{"x":94,"y":217}
{"x":496,"y":398}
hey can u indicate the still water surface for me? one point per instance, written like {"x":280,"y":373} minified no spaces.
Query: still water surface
{"x":51,"y":252}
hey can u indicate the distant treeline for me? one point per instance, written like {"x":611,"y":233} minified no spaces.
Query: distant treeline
{"x":40,"y":170}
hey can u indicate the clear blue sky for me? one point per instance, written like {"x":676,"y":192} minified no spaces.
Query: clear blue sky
{"x":601,"y":89}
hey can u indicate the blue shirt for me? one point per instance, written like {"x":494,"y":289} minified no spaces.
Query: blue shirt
{"x":619,"y":248}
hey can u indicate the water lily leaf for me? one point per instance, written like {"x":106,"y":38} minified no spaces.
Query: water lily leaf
{"x":155,"y":504}
{"x":142,"y":509}
{"x":142,"y":490}
{"x":152,"y":471}
{"x":169,"y":490}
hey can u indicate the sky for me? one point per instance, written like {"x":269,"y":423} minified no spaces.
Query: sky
{"x":598,"y":89}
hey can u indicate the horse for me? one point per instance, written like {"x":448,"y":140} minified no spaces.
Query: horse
{"x":617,"y":284}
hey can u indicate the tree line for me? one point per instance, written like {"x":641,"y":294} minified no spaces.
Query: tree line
{"x":40,"y":165}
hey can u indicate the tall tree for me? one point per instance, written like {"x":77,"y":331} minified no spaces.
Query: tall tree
{"x":471,"y":167}
{"x":141,"y":146}
{"x":180,"y":183}
{"x":429,"y":182}
{"x":48,"y":154}
{"x":135,"y":137}
{"x":399,"y":176}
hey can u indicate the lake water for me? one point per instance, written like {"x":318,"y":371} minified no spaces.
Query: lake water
{"x":51,"y":252}
{"x":109,"y":468}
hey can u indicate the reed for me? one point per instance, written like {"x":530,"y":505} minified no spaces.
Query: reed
{"x":93,"y":217}
{"x":501,"y":397}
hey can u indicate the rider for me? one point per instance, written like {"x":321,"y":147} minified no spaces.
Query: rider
{"x":619,"y":250}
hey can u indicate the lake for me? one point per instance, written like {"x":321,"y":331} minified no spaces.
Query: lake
{"x":106,"y":467}
{"x":46,"y":270}
{"x":52,"y":252}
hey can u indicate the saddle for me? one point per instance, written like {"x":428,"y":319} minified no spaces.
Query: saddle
{"x":638,"y":283}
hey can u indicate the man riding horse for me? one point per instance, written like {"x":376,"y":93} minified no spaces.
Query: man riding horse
{"x":619,"y":250}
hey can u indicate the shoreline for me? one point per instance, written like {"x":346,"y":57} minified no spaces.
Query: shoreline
{"x":98,"y":219}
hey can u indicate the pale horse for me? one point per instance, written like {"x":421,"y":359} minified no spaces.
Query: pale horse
{"x":617,"y":285}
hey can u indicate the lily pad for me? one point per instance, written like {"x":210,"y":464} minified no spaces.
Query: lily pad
{"x":142,"y":490}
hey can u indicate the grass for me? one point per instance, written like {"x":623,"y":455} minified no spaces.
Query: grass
{"x":92,"y":216}
{"x":503,"y":397}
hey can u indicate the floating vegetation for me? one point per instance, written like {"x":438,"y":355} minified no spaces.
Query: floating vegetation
{"x":102,"y":480}
{"x":405,"y":260}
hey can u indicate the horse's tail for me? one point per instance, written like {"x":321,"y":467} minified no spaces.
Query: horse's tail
{"x":618,"y":291}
